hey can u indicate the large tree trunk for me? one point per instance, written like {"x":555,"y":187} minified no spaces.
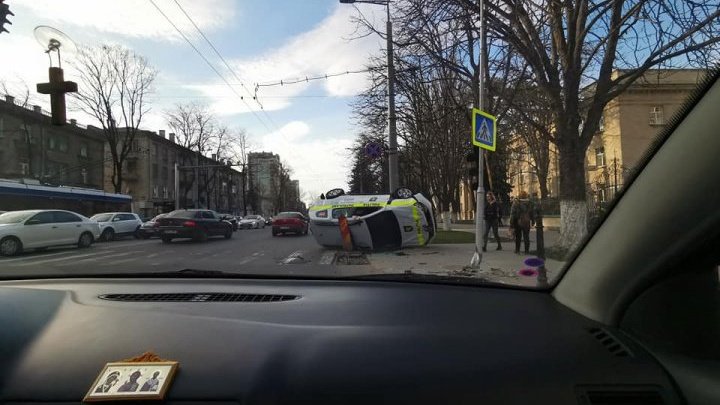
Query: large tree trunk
{"x":573,"y":204}
{"x":117,"y":176}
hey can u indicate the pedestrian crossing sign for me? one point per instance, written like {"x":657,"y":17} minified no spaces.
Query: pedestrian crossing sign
{"x":484,"y":130}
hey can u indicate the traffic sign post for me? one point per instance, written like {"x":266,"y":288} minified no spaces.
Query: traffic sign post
{"x":484,"y":130}
{"x":484,"y":136}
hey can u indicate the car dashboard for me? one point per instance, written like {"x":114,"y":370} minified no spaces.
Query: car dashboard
{"x":281,"y":341}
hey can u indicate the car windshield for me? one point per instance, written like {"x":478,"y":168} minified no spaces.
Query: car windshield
{"x":15,"y":217}
{"x":101,"y":217}
{"x":420,"y":136}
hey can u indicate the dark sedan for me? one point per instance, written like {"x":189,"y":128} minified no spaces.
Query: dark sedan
{"x":197,"y":225}
{"x":150,"y":227}
{"x":294,"y":222}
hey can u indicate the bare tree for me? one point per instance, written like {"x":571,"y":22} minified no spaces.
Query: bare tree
{"x":195,"y":128}
{"x":114,"y":82}
{"x":601,"y":47}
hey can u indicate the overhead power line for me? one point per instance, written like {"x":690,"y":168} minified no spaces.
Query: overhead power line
{"x":209,"y":64}
{"x":227,"y":65}
{"x":309,"y":79}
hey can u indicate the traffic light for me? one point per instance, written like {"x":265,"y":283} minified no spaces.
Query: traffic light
{"x":4,"y":13}
{"x":471,"y":161}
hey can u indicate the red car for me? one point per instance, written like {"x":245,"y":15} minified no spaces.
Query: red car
{"x":285,"y":222}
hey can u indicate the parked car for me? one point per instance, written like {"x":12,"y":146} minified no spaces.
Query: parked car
{"x":294,"y":222}
{"x":150,"y":227}
{"x":383,"y":221}
{"x":195,"y":224}
{"x":39,"y":229}
{"x":114,"y":224}
{"x":252,"y":222}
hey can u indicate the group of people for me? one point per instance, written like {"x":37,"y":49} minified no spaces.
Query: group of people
{"x":131,"y":385}
{"x":522,"y":218}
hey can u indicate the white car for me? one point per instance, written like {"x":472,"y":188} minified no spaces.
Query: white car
{"x":114,"y":224}
{"x":39,"y":229}
{"x":252,"y":222}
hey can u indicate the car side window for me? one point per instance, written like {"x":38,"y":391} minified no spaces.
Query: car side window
{"x":127,"y":217}
{"x":41,"y":218}
{"x":208,"y":215}
{"x":66,"y":217}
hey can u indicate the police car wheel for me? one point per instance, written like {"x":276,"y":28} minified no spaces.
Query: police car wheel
{"x":403,"y":192}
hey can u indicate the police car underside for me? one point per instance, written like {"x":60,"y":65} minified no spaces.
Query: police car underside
{"x":376,"y":222}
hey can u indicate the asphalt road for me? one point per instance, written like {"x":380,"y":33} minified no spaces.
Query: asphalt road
{"x":253,"y":251}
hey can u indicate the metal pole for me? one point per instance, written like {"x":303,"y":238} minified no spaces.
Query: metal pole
{"x":480,"y":195}
{"x":393,"y":167}
{"x":177,"y":187}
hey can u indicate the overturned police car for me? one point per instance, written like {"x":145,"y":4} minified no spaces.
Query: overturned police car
{"x":376,"y":222}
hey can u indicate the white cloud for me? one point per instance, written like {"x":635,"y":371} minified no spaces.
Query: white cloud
{"x":133,"y":18}
{"x":320,"y":163}
{"x":325,"y":49}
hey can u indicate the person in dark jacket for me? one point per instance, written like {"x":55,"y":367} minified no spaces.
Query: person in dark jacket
{"x":522,"y":217}
{"x":492,"y":216}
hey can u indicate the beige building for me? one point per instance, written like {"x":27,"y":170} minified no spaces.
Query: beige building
{"x":32,"y":148}
{"x":629,"y":124}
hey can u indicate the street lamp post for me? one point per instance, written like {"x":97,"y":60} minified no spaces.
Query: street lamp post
{"x":393,"y":166}
{"x":476,"y":260}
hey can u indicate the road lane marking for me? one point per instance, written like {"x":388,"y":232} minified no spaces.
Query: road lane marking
{"x":247,"y":260}
{"x":41,"y":256}
{"x":152,"y":255}
{"x":102,"y":257}
{"x":56,"y":260}
{"x":295,"y":257}
{"x":115,"y":244}
{"x":114,"y":262}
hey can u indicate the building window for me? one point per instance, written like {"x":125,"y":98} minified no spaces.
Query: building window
{"x":656,"y":116}
{"x":52,"y":143}
{"x":84,"y":175}
{"x":154,"y":171}
{"x":599,"y":157}
{"x":602,"y":193}
{"x":522,"y":179}
{"x":131,"y":166}
{"x":62,"y":144}
{"x":83,"y":150}
{"x":24,"y":168}
{"x":165,"y":192}
{"x":155,"y":192}
{"x":601,"y":123}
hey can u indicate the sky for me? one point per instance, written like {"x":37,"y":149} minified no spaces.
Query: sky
{"x":309,"y":125}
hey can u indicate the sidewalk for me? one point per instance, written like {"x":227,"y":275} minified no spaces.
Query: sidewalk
{"x":502,"y":266}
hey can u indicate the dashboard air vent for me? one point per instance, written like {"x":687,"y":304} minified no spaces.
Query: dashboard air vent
{"x":610,"y":342}
{"x":199,"y":297}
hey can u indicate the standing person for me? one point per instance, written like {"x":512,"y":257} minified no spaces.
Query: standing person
{"x":492,"y":215}
{"x":521,"y":219}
